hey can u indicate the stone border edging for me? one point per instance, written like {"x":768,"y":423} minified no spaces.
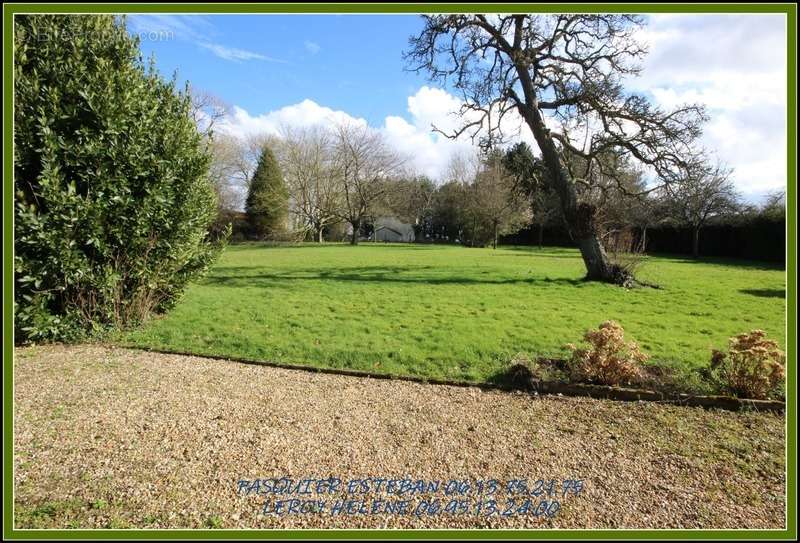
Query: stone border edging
{"x":536,"y":387}
{"x":632,"y":395}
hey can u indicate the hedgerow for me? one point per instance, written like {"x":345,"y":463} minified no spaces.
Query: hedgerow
{"x":112,"y":198}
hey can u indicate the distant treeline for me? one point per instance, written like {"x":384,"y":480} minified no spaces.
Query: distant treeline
{"x":756,"y":238}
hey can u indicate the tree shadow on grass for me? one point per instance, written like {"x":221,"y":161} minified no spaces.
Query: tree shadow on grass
{"x":765,"y":292}
{"x":245,"y":277}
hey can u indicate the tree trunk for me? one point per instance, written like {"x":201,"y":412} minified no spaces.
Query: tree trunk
{"x":319,"y":234}
{"x":354,"y":237}
{"x":644,"y":240}
{"x":579,"y":218}
{"x":541,"y":234}
{"x":696,"y":243}
{"x":472,"y":237}
{"x":580,"y":222}
{"x":494,"y":237}
{"x":595,"y":259}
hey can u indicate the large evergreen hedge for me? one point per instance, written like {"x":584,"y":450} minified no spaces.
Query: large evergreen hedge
{"x":113,"y":200}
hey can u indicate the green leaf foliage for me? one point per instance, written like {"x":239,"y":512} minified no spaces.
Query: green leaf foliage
{"x":112,"y":197}
{"x":267,"y":203}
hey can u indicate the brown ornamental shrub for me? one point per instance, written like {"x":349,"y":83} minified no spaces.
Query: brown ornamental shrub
{"x":609,"y":360}
{"x":753,"y":367}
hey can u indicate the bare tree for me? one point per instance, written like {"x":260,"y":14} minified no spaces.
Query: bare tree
{"x":412,"y":200}
{"x":364,"y":162}
{"x":494,"y":201}
{"x":463,"y":167}
{"x":774,"y":205}
{"x":481,"y":199}
{"x":646,"y":212}
{"x":562,"y":74}
{"x":309,"y":168}
{"x":250,"y":148}
{"x":224,"y":171}
{"x":233,"y":162}
{"x":207,"y":109}
{"x":613,"y":198}
{"x":706,"y":191}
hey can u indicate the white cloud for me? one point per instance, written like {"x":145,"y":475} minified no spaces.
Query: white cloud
{"x":312,"y":47}
{"x":736,"y":66}
{"x":191,"y":28}
{"x":182,"y":27}
{"x":434,"y":107}
{"x":306,"y":113}
{"x":234,"y":54}
{"x":427,"y":152}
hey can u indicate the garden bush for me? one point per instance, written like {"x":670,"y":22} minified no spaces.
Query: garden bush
{"x":113,"y":202}
{"x":524,"y":372}
{"x":753,"y":367}
{"x":609,"y":360}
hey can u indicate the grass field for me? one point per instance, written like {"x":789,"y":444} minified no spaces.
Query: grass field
{"x":453,"y":312}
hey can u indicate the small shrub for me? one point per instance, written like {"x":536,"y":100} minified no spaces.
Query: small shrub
{"x":523,"y":359}
{"x":520,"y":373}
{"x":609,"y":360}
{"x":753,"y":367}
{"x":625,"y":255}
{"x":524,"y":372}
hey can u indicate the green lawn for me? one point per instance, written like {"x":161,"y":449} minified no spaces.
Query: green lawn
{"x":453,"y":312}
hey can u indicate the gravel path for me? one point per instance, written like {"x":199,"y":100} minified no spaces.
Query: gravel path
{"x":109,"y":437}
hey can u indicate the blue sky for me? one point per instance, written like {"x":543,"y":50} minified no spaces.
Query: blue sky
{"x":290,"y":70}
{"x":349,"y":63}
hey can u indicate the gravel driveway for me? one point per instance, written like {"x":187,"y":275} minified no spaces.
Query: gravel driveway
{"x":108,"y":437}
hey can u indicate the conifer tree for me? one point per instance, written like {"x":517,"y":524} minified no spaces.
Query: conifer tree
{"x":267,"y":203}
